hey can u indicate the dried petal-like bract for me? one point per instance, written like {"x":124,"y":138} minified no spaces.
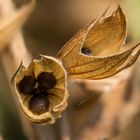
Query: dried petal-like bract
{"x":41,"y":104}
{"x":94,"y":52}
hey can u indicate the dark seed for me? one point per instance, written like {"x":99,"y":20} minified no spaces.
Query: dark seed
{"x":46,"y":80}
{"x":27,"y":84}
{"x":85,"y":51}
{"x":39,"y":103}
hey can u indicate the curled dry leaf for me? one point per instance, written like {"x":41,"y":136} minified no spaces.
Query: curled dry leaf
{"x":42,"y":89}
{"x":93,"y":53}
{"x":12,"y":22}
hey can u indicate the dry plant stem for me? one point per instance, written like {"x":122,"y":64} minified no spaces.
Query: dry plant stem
{"x":117,"y":113}
{"x":11,"y":60}
{"x":12,"y":57}
{"x":64,"y":126}
{"x":1,"y":137}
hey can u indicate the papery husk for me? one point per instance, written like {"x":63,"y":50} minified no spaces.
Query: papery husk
{"x":57,"y":96}
{"x":104,"y":38}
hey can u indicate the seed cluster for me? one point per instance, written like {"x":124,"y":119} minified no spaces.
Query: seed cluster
{"x":38,"y":87}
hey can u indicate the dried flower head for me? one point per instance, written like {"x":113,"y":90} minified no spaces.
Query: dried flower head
{"x":93,"y":53}
{"x":42,"y":89}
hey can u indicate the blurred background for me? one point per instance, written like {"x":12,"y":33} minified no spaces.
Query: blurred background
{"x":50,"y":26}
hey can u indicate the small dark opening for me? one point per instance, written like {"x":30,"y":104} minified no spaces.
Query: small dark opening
{"x":85,"y":51}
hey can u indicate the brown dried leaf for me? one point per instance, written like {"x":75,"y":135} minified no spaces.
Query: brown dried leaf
{"x":11,"y":23}
{"x":102,"y":37}
{"x":57,"y":96}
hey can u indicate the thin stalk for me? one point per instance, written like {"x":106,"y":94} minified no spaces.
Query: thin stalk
{"x":11,"y":58}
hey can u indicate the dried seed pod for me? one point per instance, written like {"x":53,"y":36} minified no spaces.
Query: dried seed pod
{"x":44,"y":105}
{"x":93,"y":53}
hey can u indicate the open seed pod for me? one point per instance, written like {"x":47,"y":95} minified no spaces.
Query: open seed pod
{"x":42,"y":89}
